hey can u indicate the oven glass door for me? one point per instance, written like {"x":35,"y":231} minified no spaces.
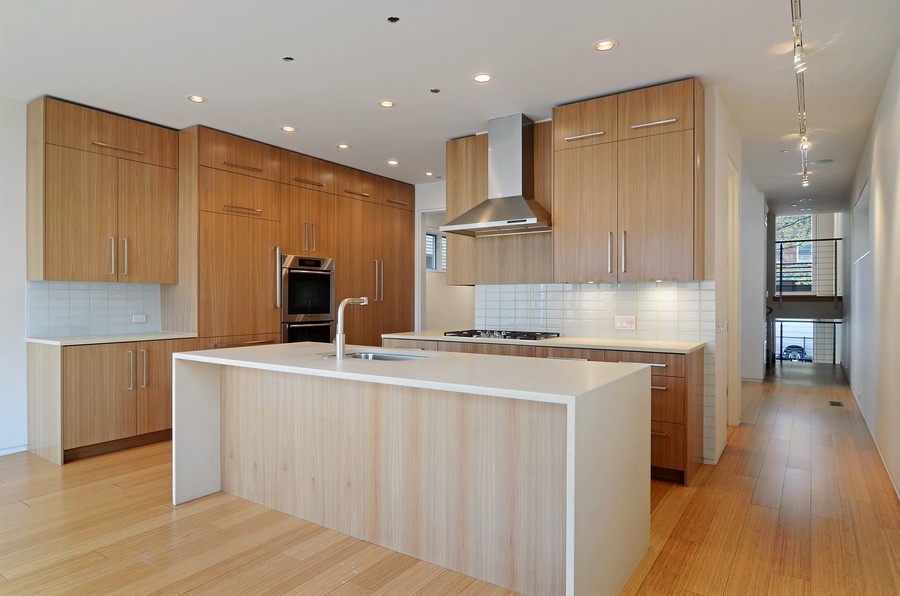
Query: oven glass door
{"x":307,"y":295}
{"x":319,"y":332}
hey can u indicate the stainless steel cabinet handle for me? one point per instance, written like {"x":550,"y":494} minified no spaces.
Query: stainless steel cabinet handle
{"x":277,"y":277}
{"x":382,"y":281}
{"x":117,"y":148}
{"x":585,"y":136}
{"x":130,"y":370}
{"x":357,"y":193}
{"x":376,"y":280}
{"x":609,"y":244}
{"x":313,"y":182}
{"x":242,"y":209}
{"x":124,"y":256}
{"x":396,"y":202}
{"x":659,"y":387}
{"x":315,"y":237}
{"x":305,"y":235}
{"x":657,"y":123}
{"x":623,"y":251}
{"x":258,"y":342}
{"x":647,"y":363}
{"x":144,"y":356}
{"x":566,"y":358}
{"x":231,"y":164}
{"x":112,"y":255}
{"x":656,"y":433}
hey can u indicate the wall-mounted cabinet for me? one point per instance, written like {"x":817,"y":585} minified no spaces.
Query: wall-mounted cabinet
{"x":102,"y":196}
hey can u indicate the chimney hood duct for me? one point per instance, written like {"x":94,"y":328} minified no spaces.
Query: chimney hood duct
{"x":510,"y":207}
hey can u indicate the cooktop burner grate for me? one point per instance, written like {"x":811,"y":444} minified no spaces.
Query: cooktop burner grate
{"x":502,"y":334}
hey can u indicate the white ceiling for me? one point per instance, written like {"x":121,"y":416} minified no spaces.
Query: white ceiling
{"x":143,"y":58}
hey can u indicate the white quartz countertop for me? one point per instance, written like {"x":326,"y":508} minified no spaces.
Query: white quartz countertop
{"x":596,"y":343}
{"x":555,"y":381}
{"x":85,"y":340}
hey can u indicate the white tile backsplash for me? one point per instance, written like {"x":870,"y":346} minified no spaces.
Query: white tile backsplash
{"x":684,"y":311}
{"x":66,"y":309}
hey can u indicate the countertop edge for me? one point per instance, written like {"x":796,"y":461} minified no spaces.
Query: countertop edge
{"x":110,"y":339}
{"x":666,"y":346}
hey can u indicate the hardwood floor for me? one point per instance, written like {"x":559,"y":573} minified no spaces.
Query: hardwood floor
{"x":799,"y":503}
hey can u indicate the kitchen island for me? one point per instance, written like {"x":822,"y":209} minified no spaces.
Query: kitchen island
{"x":530,"y":474}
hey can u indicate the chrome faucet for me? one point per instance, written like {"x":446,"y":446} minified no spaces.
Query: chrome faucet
{"x":339,"y":339}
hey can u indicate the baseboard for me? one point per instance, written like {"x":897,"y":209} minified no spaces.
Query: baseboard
{"x":871,"y":434}
{"x":11,"y":450}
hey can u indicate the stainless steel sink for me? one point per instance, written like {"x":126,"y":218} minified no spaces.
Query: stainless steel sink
{"x":380,"y":356}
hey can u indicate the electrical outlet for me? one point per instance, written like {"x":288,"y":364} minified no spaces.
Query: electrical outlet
{"x":626,"y":322}
{"x":138,"y":318}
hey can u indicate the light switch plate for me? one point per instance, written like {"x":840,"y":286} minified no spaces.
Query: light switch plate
{"x":138,"y":318}
{"x":626,"y":322}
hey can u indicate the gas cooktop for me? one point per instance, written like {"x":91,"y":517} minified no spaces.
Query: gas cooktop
{"x":497,"y":334}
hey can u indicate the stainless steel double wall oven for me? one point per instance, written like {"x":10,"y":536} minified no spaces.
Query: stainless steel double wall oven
{"x":307,"y":299}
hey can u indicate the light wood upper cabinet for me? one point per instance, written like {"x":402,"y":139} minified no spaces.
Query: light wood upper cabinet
{"x":467,"y":185}
{"x":88,"y":129}
{"x":393,"y":193}
{"x":308,"y":172}
{"x":584,"y":214}
{"x":585,"y":123}
{"x":237,"y":275}
{"x":92,"y":216}
{"x":354,"y":184}
{"x":657,"y":110}
{"x":148,"y":223}
{"x":307,"y":223}
{"x":237,"y":194}
{"x":223,"y":151}
{"x":656,"y":208}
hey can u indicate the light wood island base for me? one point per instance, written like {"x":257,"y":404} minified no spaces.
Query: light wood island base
{"x":541,"y":496}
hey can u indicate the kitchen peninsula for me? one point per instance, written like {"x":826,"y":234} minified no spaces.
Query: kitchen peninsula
{"x":527,"y":473}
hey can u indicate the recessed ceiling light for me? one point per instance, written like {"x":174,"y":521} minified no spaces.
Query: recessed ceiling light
{"x":605,"y":45}
{"x":795,"y":205}
{"x":288,"y":129}
{"x":482,"y":77}
{"x":343,"y":146}
{"x":784,"y":151}
{"x":386,"y":103}
{"x":435,"y":90}
{"x":429,"y":173}
{"x":288,"y":58}
{"x":805,"y":200}
{"x":392,"y":162}
{"x":393,"y":19}
{"x":196,"y":98}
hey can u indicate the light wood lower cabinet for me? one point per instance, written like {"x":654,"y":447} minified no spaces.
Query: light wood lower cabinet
{"x":89,"y":399}
{"x":676,"y":395}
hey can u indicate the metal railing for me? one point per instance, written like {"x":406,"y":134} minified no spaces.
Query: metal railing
{"x":808,"y":267}
{"x":808,"y":340}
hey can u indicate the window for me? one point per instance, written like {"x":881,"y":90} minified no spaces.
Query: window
{"x":435,"y":252}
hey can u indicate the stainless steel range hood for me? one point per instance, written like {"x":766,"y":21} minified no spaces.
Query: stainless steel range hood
{"x":510,"y":207}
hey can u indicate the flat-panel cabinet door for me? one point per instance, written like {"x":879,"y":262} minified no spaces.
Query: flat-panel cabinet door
{"x":80,"y":228}
{"x":307,"y":223}
{"x":148,"y":223}
{"x":396,"y":287}
{"x":154,"y":379}
{"x":237,"y":278}
{"x":584,"y":214}
{"x":656,"y":208}
{"x":355,"y":268}
{"x":467,"y":186}
{"x":656,"y":110}
{"x":99,"y":389}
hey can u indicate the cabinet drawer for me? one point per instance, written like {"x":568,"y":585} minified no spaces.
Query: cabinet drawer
{"x":585,"y":123}
{"x":667,"y":442}
{"x":663,"y":365}
{"x":667,"y":399}
{"x":570,"y":354}
{"x":238,"y":341}
{"x":227,"y":152}
{"x":307,"y":172}
{"x":78,"y":127}
{"x":393,"y":193}
{"x":656,"y":110}
{"x":234,"y":194}
{"x":354,"y":184}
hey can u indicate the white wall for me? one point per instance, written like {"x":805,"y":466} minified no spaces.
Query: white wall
{"x":878,"y":168}
{"x":13,"y":421}
{"x":753,"y":280}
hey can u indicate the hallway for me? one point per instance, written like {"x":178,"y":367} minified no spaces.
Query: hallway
{"x":799,"y":503}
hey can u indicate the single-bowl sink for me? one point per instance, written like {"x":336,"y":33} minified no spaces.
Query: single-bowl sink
{"x":391,"y":356}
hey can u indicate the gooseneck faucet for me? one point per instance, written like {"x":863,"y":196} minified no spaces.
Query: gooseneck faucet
{"x":339,"y":339}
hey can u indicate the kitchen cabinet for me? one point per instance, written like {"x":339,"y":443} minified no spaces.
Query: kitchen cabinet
{"x":99,"y":210}
{"x":90,"y":399}
{"x":585,"y":123}
{"x":466,"y":168}
{"x":307,"y":223}
{"x":231,"y":153}
{"x":393,"y":193}
{"x":308,"y":172}
{"x":238,"y":341}
{"x":354,"y":184}
{"x":633,"y":210}
{"x":676,"y":394}
{"x":375,"y":259}
{"x":237,"y":194}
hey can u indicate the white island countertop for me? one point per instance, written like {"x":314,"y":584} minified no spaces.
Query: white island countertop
{"x":553,"y":381}
{"x":594,"y":343}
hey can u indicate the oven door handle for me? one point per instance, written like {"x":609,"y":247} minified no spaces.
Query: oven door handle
{"x":313,"y":271}
{"x":293,"y":325}
{"x":277,"y":277}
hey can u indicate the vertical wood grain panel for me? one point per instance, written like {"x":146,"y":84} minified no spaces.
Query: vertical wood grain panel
{"x":466,"y":168}
{"x":34,"y":190}
{"x":699,"y":181}
{"x":406,"y":468}
{"x":652,"y":104}
{"x":44,"y":363}
{"x":154,"y":401}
